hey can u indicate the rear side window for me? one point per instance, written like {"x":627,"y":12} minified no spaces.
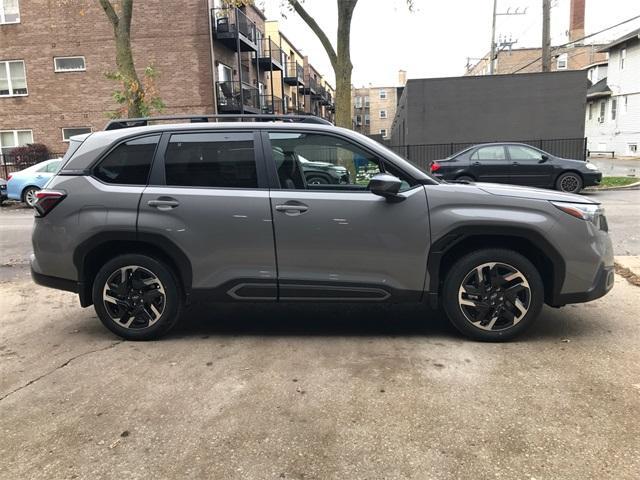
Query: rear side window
{"x":489,"y":153}
{"x":129,"y":162}
{"x":223,"y":160}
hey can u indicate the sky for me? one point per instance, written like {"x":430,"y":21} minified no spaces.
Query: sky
{"x":437,"y":37}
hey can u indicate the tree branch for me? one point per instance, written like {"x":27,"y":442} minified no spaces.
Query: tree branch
{"x":111,"y":13}
{"x":313,"y":25}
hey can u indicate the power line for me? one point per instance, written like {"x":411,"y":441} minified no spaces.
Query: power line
{"x":579,"y":40}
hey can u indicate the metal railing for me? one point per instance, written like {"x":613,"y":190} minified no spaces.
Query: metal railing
{"x":422,"y":155}
{"x":294,"y":70}
{"x":233,"y":20}
{"x":10,"y":163}
{"x":267,"y":48}
{"x":232,"y":95}
{"x":271,"y":104}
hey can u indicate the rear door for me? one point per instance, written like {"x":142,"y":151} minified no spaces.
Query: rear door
{"x":528,"y":167}
{"x":489,"y":164}
{"x":208,"y":197}
{"x":339,"y":241}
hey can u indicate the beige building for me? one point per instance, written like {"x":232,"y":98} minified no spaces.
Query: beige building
{"x":374,"y":108}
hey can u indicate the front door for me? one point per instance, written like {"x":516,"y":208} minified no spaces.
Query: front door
{"x":208,"y":197}
{"x":489,"y":164}
{"x":335,"y":240}
{"x":528,"y":167}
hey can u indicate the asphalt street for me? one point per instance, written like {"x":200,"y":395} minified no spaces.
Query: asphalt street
{"x":317,"y":391}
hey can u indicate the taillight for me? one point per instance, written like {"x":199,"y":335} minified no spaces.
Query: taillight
{"x":435,"y":166}
{"x":9,"y":177}
{"x":47,"y":200}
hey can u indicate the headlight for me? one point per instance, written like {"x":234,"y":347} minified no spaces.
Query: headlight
{"x":585,"y":211}
{"x":591,"y":166}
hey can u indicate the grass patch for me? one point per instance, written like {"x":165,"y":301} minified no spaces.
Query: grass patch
{"x":617,"y":181}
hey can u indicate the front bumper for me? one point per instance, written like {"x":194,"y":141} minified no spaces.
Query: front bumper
{"x":591,"y":178}
{"x":602,"y":284}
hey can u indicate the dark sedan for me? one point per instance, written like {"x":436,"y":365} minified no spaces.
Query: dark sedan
{"x":518,"y":164}
{"x":3,"y":190}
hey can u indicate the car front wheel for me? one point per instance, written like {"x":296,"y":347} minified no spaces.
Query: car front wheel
{"x":492,"y":294}
{"x":137,"y":297}
{"x":569,"y":182}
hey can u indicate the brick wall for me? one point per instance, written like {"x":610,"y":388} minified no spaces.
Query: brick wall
{"x":173,"y":36}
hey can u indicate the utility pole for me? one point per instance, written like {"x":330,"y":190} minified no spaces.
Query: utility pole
{"x":546,"y":35}
{"x":492,"y":55}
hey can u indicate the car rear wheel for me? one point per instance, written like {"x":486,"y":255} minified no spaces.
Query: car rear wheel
{"x":29,"y":196}
{"x":465,"y":178}
{"x":137,"y":297}
{"x":316,"y":180}
{"x":569,"y":182}
{"x":492,"y":294}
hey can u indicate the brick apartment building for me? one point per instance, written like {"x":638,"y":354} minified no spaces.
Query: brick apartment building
{"x":374,"y":108}
{"x":576,"y":56}
{"x":54,"y":56}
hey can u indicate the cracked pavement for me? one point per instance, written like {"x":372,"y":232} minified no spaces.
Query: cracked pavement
{"x":315,"y":392}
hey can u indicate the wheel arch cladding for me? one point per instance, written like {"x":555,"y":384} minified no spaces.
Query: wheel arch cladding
{"x":89,"y":257}
{"x":451,"y":246}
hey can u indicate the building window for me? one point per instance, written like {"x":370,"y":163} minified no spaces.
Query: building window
{"x":69,"y":64}
{"x":9,"y":139}
{"x":367,"y":119}
{"x":383,"y":94}
{"x":590,"y":110}
{"x":358,"y":119}
{"x":562,"y":61}
{"x":69,"y":132}
{"x":9,"y":11}
{"x":633,"y":148}
{"x":383,"y":132}
{"x":625,"y":102}
{"x":358,"y":102}
{"x":13,"y":79}
{"x":603,"y":106}
{"x":614,"y":107}
{"x":383,"y":114}
{"x":366,"y":101}
{"x":623,"y":56}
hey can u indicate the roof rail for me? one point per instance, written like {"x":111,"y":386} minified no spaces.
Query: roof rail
{"x":144,"y":121}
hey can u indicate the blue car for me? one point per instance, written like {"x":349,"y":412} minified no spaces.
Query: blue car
{"x":24,"y":184}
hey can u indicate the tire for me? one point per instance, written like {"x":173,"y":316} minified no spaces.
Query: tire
{"x":569,"y":182}
{"x":317,"y":180}
{"x":150,"y":297}
{"x":29,"y":196}
{"x":492,"y":311}
{"x":465,"y":178}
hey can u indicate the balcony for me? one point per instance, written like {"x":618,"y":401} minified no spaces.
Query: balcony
{"x":232,"y":28}
{"x":237,"y":97}
{"x":271,"y":104}
{"x":293,"y":74}
{"x":310,"y":87}
{"x":269,"y":56}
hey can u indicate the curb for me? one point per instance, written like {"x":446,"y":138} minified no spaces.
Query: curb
{"x":624,"y":187}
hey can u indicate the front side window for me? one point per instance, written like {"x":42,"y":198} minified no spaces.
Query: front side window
{"x":9,"y":139}
{"x":13,"y":79}
{"x":9,"y":11}
{"x":69,"y":64}
{"x":489,"y":153}
{"x":222,"y":160}
{"x":67,"y":133}
{"x":518,"y":152}
{"x":129,"y":163}
{"x":311,"y":161}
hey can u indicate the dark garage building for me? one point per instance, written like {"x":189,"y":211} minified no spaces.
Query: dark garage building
{"x":438,"y":116}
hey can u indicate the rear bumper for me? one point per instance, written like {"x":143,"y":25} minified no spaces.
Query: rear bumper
{"x":59,"y":283}
{"x":602,"y":284}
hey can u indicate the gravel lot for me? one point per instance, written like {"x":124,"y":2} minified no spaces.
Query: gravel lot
{"x":320,"y":392}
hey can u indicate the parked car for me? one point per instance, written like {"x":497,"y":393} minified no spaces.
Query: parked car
{"x":517,"y":164}
{"x":323,"y":173}
{"x":3,"y":190}
{"x":142,"y":221}
{"x":24,"y":184}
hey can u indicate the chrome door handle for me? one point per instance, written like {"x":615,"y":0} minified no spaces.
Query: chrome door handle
{"x":292,"y":208}
{"x":163,"y":203}
{"x":515,"y":163}
{"x":476,"y":164}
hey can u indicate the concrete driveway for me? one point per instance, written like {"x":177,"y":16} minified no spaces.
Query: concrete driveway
{"x":314,"y":392}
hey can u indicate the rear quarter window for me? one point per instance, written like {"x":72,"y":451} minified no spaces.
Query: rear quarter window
{"x":129,"y":163}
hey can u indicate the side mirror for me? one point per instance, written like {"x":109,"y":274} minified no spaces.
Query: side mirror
{"x":544,"y":158}
{"x":386,"y":186}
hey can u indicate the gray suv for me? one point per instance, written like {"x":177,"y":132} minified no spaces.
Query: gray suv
{"x":144,"y":220}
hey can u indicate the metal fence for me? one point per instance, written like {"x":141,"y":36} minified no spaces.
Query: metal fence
{"x":10,"y":163}
{"x":422,"y":155}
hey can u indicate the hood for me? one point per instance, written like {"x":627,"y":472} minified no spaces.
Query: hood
{"x":530,"y":192}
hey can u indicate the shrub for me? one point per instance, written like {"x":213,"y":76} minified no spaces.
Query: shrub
{"x":29,"y":154}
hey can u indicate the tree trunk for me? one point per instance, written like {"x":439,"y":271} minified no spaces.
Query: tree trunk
{"x":343,"y":66}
